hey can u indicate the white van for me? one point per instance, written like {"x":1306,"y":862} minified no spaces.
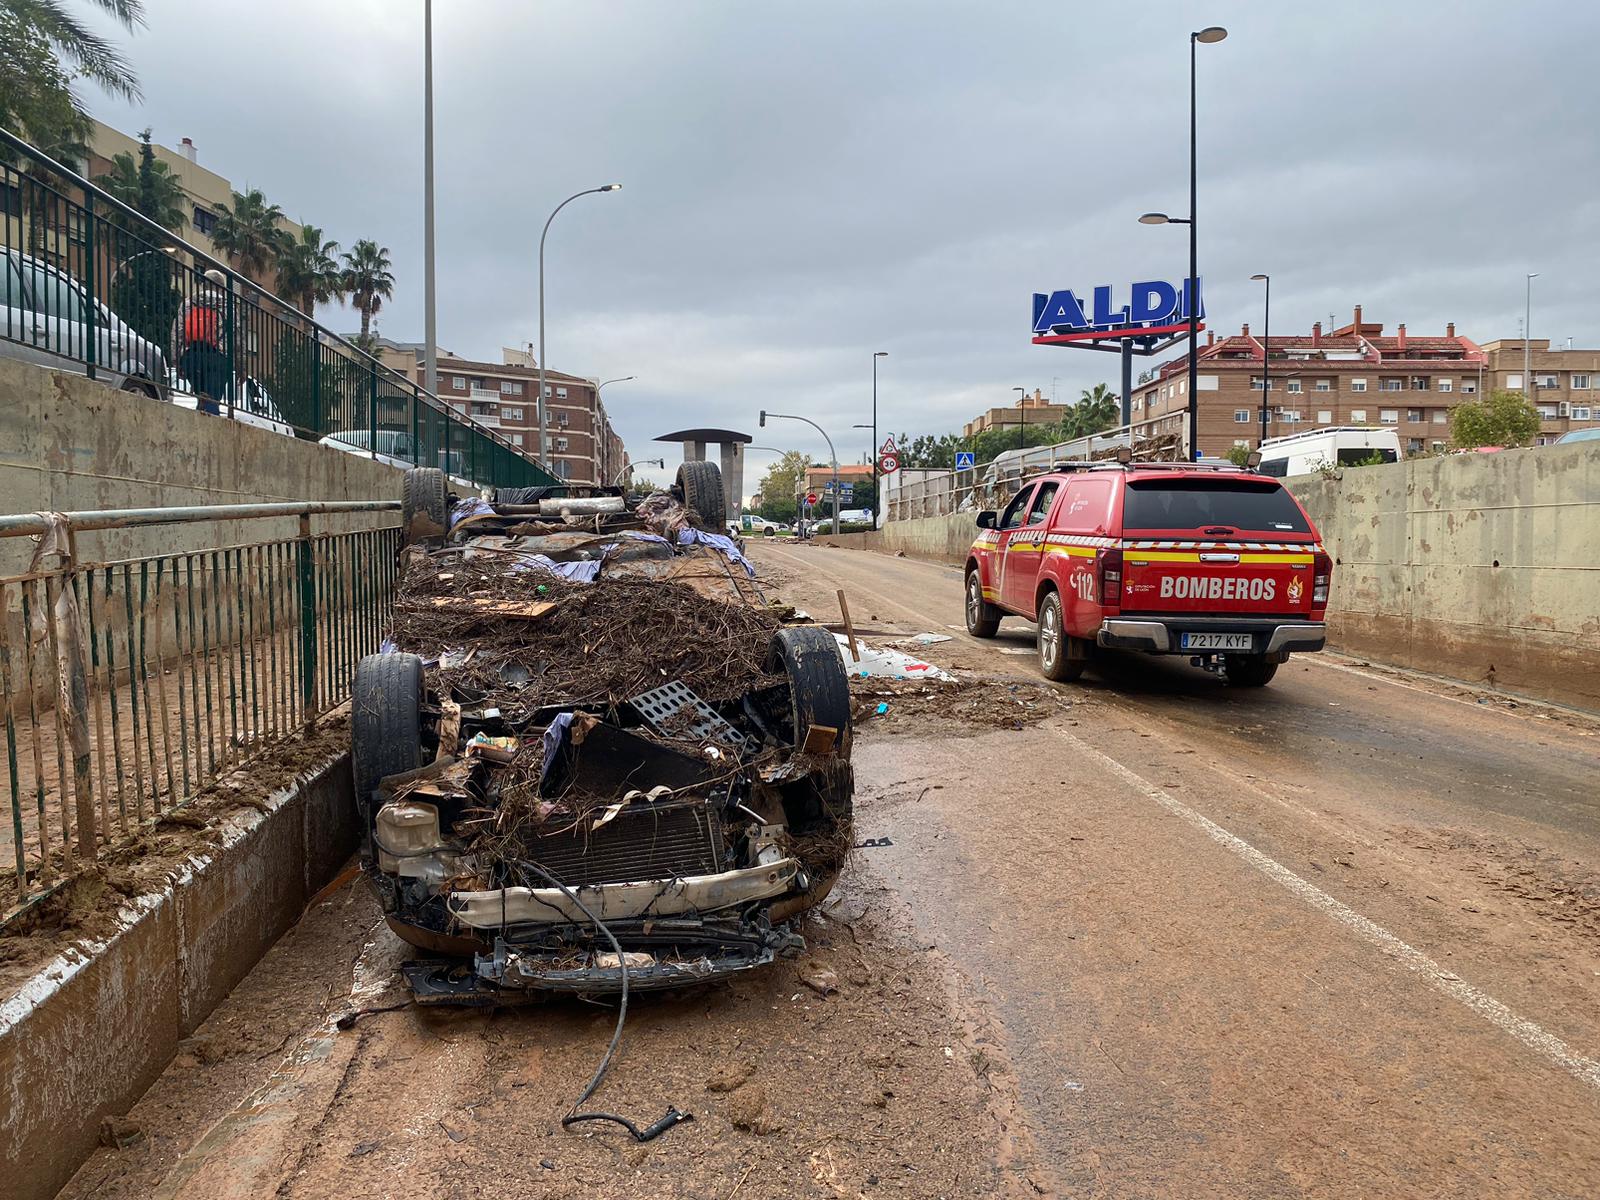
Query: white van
{"x":1335,"y":446}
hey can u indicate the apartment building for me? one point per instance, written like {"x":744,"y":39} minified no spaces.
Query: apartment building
{"x":1565,"y":387}
{"x":1027,"y":410}
{"x":582,"y":447}
{"x":1352,"y":375}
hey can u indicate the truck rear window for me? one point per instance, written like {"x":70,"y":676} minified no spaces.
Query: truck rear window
{"x":1200,"y":503}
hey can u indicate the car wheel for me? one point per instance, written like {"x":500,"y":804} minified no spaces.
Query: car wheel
{"x":424,"y":507}
{"x":385,"y":720}
{"x":699,"y":486}
{"x":1248,"y":670}
{"x":1054,"y":643}
{"x":519,"y":495}
{"x":141,"y":387}
{"x":983,"y":618}
{"x":819,"y":691}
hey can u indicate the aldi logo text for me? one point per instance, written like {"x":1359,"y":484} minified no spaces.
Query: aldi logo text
{"x":1154,"y":307}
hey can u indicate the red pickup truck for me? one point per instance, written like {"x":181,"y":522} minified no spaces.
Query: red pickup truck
{"x":1217,"y":563}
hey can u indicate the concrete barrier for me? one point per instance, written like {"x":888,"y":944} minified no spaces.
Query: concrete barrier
{"x":1484,"y":567}
{"x":91,"y":1031}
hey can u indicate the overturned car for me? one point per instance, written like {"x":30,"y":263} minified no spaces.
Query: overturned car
{"x":591,"y":756}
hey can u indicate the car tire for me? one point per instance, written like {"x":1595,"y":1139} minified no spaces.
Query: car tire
{"x":1248,"y":670}
{"x":424,"y":507}
{"x":699,"y":486}
{"x":141,"y":387}
{"x":819,"y":691}
{"x":519,"y":495}
{"x":1054,"y":642}
{"x":983,"y":618}
{"x":385,"y":721}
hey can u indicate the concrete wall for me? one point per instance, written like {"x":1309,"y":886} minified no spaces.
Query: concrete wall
{"x":1484,"y":567}
{"x":88,"y":1034}
{"x":69,"y":443}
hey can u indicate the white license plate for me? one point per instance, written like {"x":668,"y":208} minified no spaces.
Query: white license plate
{"x":1216,"y":641}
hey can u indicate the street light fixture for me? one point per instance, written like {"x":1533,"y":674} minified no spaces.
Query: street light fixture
{"x":1266,"y":353}
{"x":832,"y":456}
{"x":543,"y":432}
{"x":1208,"y":35}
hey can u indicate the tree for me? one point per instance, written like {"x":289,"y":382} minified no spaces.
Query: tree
{"x":1238,"y":455}
{"x":148,"y":186}
{"x":248,"y":233}
{"x":368,"y":282}
{"x":308,"y":273}
{"x":780,"y":483}
{"x":45,"y":48}
{"x":1503,"y":419}
{"x":1097,"y":408}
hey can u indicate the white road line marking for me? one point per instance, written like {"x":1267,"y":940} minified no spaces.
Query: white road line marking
{"x":1497,"y":1014}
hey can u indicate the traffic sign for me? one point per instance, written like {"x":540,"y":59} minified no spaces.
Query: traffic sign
{"x":811,"y":499}
{"x":888,"y":463}
{"x":966,"y":460}
{"x":888,"y":446}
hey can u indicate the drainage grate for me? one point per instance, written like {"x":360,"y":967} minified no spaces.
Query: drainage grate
{"x":673,"y":710}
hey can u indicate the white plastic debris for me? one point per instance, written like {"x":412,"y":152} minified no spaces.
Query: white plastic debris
{"x":879,"y":663}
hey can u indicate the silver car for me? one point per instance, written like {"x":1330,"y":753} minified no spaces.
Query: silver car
{"x":45,"y":319}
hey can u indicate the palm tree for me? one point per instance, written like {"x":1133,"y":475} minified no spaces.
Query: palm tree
{"x":1098,"y":408}
{"x":148,"y":186}
{"x":50,"y":33}
{"x":308,"y":274}
{"x":368,"y":282}
{"x":248,"y":234}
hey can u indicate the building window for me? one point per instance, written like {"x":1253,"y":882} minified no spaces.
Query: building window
{"x":516,"y":439}
{"x":1245,"y":442}
{"x":1242,"y":416}
{"x":1358,"y":415}
{"x":561,"y":443}
{"x":511,"y":414}
{"x":1514,"y":381}
{"x":548,"y":391}
{"x":204,"y":220}
{"x":1414,"y":416}
{"x":1580,"y":383}
{"x":1255,"y":384}
{"x":1358,"y":385}
{"x":1289,"y":416}
{"x":510,"y":387}
{"x":561,"y":393}
{"x":1546,"y":381}
{"x":1441,"y":416}
{"x":1294,"y":386}
{"x":1436,"y":446}
{"x":457,"y":383}
{"x":1413,"y":445}
{"x":1580,"y":412}
{"x":1445,"y":385}
{"x":1469,"y":386}
{"x":1391,"y":385}
{"x":1324,"y":416}
{"x":1547,"y":412}
{"x":1419,"y":383}
{"x":1389,"y":416}
{"x":561,"y":419}
{"x":1323,"y":385}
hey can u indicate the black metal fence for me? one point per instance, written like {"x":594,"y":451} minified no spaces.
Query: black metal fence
{"x":88,"y":284}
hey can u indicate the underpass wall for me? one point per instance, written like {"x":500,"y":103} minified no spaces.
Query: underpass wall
{"x":1483,"y":567}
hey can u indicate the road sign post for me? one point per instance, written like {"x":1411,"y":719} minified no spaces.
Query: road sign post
{"x":966,"y":460}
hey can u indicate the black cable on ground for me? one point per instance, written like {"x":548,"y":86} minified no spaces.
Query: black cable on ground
{"x":672,"y":1116}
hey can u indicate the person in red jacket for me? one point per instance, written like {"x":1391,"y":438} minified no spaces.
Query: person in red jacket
{"x":197,"y":334}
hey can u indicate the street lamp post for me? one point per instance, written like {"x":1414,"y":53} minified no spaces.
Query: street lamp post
{"x":430,"y":351}
{"x":1266,"y":352}
{"x":832,"y":457}
{"x":599,"y":453}
{"x":1210,"y":34}
{"x":875,"y":505}
{"x":544,"y":456}
{"x":1022,"y":416}
{"x":1527,"y":332}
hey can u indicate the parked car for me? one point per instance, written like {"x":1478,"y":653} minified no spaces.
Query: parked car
{"x":1335,"y":446}
{"x":1217,"y":563}
{"x":1579,"y":435}
{"x":45,"y":319}
{"x":246,"y":401}
{"x":397,"y":448}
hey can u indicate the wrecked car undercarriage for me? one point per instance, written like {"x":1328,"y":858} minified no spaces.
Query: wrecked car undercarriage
{"x":591,"y":757}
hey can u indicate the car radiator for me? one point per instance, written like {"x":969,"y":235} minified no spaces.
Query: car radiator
{"x":643,"y":841}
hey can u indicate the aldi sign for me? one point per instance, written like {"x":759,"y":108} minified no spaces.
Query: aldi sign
{"x":1153,"y":309}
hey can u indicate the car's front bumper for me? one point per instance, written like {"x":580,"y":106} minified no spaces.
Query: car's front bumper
{"x":1275,"y":637}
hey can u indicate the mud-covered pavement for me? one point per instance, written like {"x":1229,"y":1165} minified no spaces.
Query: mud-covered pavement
{"x":1142,"y":935}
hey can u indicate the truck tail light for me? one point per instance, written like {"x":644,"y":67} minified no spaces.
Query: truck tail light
{"x":1111,"y":577}
{"x":1322,"y":570}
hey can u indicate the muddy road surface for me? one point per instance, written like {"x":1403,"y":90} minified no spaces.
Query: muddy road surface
{"x":1142,"y":935}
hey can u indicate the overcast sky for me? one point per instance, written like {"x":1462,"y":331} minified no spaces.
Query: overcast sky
{"x":806,"y":183}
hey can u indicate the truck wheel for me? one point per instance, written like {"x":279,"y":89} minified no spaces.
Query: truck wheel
{"x":819,"y":692}
{"x":699,"y":486}
{"x":1248,"y":670}
{"x":1053,"y":643}
{"x":385,"y":720}
{"x":424,"y":507}
{"x":983,"y":618}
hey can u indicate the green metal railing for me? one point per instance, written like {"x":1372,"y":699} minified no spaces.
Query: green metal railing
{"x":128,"y":688}
{"x":87,"y":283}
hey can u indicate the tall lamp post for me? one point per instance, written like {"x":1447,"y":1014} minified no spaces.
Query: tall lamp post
{"x":1022,"y":417}
{"x":1266,"y":352}
{"x":832,"y":457}
{"x":544,"y":455}
{"x":597,"y":390}
{"x":1210,"y":34}
{"x":430,"y":350}
{"x":1527,"y":331}
{"x":875,"y":357}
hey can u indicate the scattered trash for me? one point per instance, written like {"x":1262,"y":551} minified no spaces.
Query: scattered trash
{"x":877,"y":663}
{"x":883,"y":707}
{"x":821,"y":980}
{"x":873,"y":843}
{"x":119,"y":1133}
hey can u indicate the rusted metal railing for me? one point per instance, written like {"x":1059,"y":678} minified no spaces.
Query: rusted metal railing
{"x":128,"y":687}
